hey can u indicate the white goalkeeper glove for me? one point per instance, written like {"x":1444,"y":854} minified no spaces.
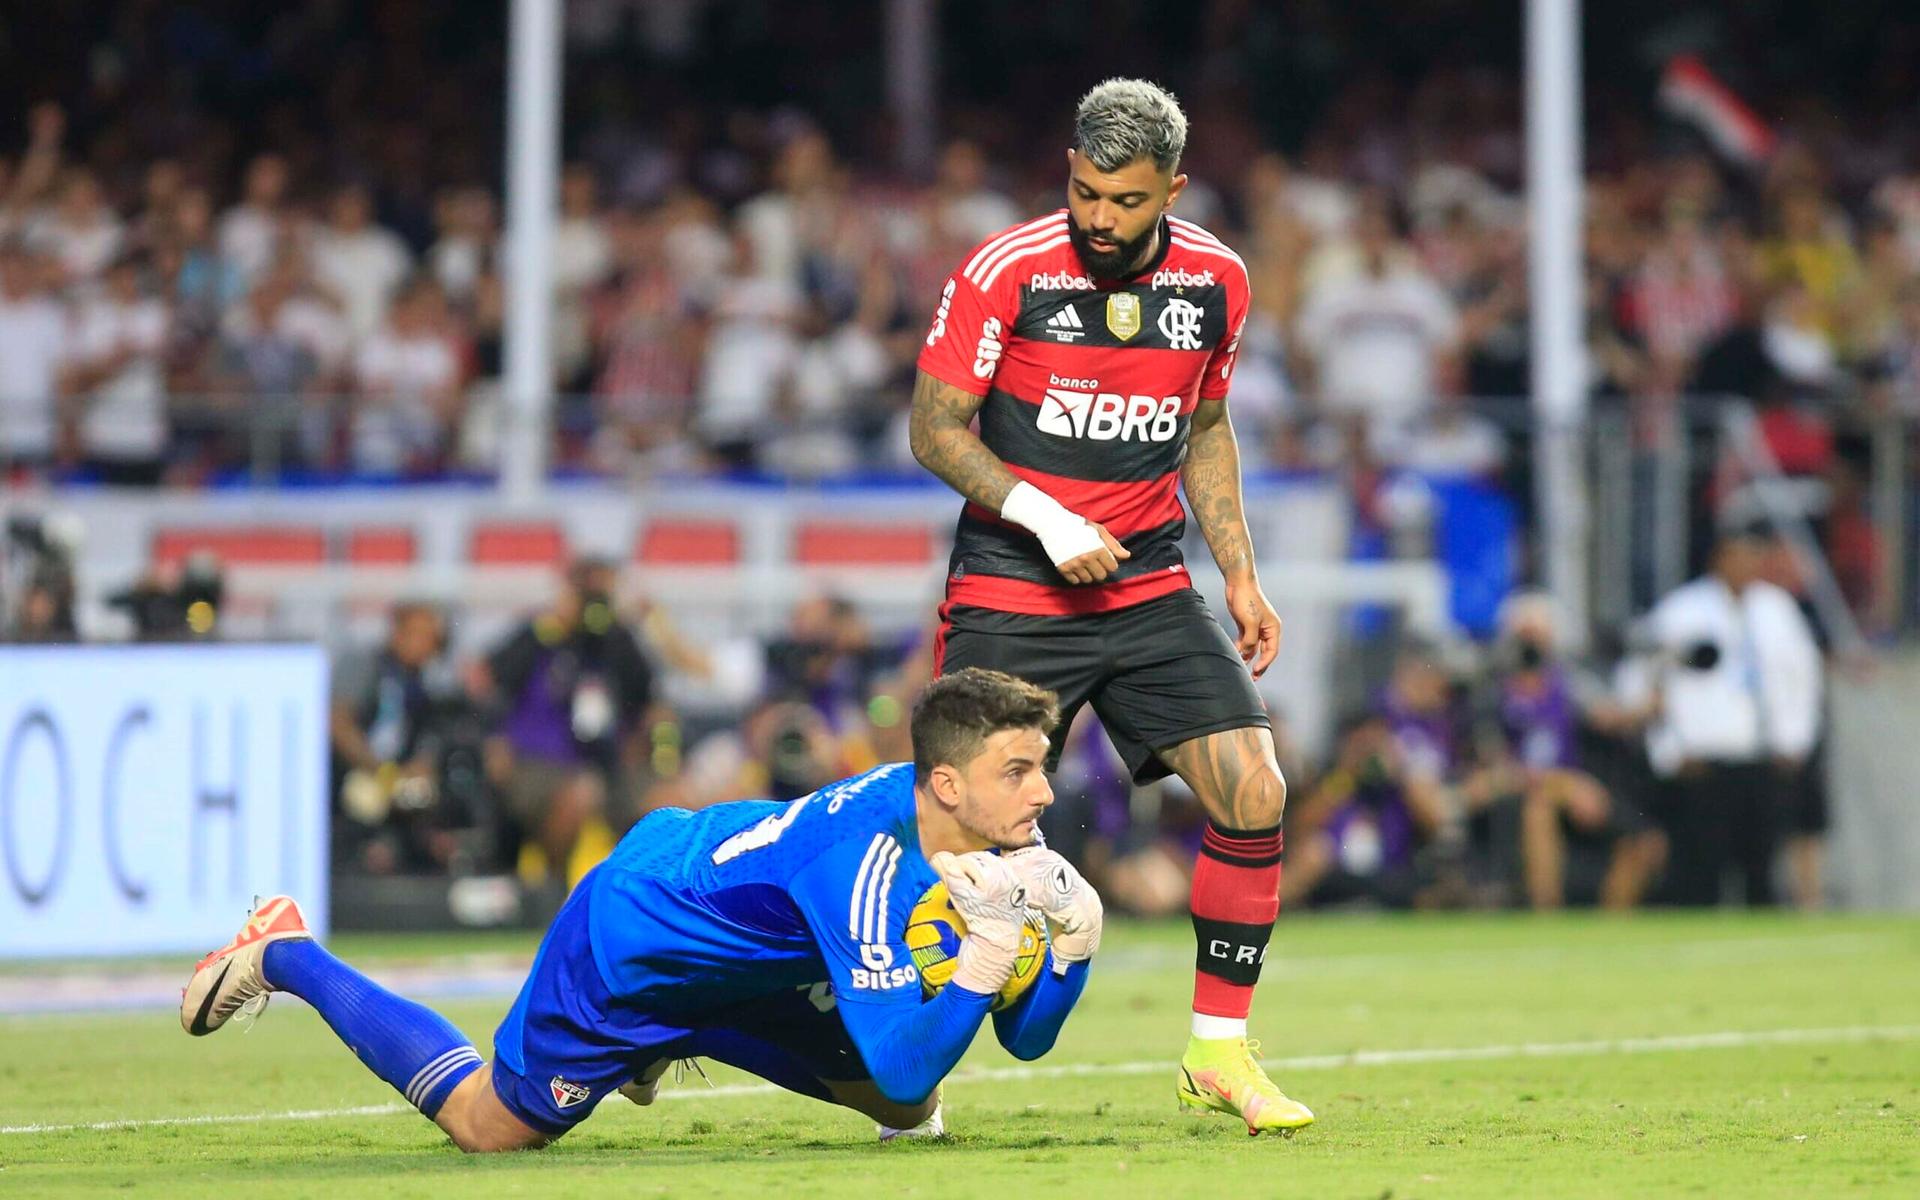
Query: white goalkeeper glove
{"x":991,"y":897}
{"x":1071,"y":905}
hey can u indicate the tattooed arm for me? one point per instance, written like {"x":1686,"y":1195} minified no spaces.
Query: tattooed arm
{"x":938,"y":430}
{"x":1211,"y":476}
{"x":943,"y":442}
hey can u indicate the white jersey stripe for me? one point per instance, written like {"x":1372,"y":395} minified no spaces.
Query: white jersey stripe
{"x":859,"y":884}
{"x":876,"y":889}
{"x":886,"y":894}
{"x":979,"y":271}
{"x":1023,"y":253}
{"x":1198,"y":234}
{"x":1217,"y":250}
{"x":1016,"y":232}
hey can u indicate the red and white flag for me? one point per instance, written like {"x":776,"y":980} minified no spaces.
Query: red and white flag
{"x":1693,"y":93}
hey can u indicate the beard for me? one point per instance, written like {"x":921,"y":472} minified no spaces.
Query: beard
{"x":1123,"y":259}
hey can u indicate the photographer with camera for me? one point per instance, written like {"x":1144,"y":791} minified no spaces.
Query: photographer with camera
{"x":1739,"y":676}
{"x":386,"y":761}
{"x":568,"y":688}
{"x":1550,"y":740}
{"x":175,"y":602}
{"x":1357,"y":836}
{"x":41,"y":559}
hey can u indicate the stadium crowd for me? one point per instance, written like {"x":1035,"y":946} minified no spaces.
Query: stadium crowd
{"x":745,"y":285}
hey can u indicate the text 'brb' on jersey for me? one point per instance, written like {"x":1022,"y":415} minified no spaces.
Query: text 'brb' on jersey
{"x":1090,"y":387}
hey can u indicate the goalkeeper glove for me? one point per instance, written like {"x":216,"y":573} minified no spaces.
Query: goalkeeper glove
{"x":1071,"y":905}
{"x":991,"y":897}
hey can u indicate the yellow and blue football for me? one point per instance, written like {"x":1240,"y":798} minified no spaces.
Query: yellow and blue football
{"x":933,"y":936}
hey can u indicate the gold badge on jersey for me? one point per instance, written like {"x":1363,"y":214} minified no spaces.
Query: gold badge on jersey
{"x":1123,"y":314}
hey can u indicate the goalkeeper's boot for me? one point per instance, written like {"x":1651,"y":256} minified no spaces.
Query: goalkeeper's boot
{"x":1221,"y":1075}
{"x":230,"y":979}
{"x":935,"y":1126}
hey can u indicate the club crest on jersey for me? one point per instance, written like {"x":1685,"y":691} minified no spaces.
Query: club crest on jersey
{"x":1180,"y":324}
{"x":566,"y":1095}
{"x":1123,"y":315}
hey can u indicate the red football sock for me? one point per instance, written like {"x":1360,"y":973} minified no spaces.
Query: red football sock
{"x":1235,"y":900}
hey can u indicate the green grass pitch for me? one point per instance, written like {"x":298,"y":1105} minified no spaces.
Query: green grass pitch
{"x":1446,"y":1057}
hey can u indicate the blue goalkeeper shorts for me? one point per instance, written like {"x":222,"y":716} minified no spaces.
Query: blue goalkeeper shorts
{"x":568,"y":1042}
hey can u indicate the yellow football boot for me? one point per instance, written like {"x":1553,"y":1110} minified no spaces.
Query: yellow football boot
{"x":1220,"y":1075}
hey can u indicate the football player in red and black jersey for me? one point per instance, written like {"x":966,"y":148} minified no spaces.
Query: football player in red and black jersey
{"x":1095,"y":346}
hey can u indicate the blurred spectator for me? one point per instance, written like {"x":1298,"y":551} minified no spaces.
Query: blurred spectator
{"x":826,"y":659}
{"x":1569,"y":822}
{"x":44,"y":612}
{"x":252,"y":232}
{"x":644,"y":321}
{"x":80,"y":234}
{"x":118,"y":376}
{"x":175,"y":601}
{"x":967,"y":209}
{"x":582,"y":260}
{"x":781,"y":750}
{"x":409,"y":376}
{"x":1682,"y":296}
{"x":361,"y":263}
{"x":571,"y":686}
{"x":1738,"y":678}
{"x":1359,"y":831}
{"x":206,"y":282}
{"x":1895,"y":371}
{"x":33,"y":352}
{"x":384,"y":769}
{"x":467,"y":249}
{"x":1808,"y":250}
{"x":1376,"y":332}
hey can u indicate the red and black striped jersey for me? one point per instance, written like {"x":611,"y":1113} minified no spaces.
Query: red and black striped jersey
{"x":1090,"y":386}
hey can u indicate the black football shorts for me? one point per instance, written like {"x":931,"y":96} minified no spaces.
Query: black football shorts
{"x":1157,"y":674}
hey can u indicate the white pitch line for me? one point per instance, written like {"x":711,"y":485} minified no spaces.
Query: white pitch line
{"x":1726,"y":1039}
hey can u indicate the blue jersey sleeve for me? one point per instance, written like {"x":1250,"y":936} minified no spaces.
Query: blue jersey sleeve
{"x":1029,"y":1027}
{"x":848,"y":898}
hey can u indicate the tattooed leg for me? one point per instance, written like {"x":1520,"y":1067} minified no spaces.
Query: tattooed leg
{"x":1235,"y":775}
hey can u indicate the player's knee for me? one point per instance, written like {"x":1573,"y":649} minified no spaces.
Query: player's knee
{"x":1263,"y":802}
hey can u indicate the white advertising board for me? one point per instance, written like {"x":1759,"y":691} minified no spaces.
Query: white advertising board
{"x":148,"y":793}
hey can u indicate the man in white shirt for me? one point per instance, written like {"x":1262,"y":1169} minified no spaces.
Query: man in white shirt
{"x":409,"y":377}
{"x":1377,"y":334}
{"x":1739,"y":674}
{"x":119,"y":364}
{"x":360,"y":263}
{"x":250,"y":230}
{"x":33,"y":348}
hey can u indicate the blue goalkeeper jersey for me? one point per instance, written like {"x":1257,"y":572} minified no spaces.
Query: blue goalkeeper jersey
{"x":696,"y":909}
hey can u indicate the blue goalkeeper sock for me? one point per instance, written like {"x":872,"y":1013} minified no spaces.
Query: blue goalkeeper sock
{"x":413,"y":1048}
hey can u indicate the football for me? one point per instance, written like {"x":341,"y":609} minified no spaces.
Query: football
{"x":933,"y":935}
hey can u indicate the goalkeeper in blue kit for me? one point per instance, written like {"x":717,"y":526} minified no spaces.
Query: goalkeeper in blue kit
{"x":709,"y":934}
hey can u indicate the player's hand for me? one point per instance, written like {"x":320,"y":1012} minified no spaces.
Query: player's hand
{"x":992,"y":898}
{"x":1071,"y":905}
{"x":1259,"y":640}
{"x":1098,"y":563}
{"x":985,"y":889}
